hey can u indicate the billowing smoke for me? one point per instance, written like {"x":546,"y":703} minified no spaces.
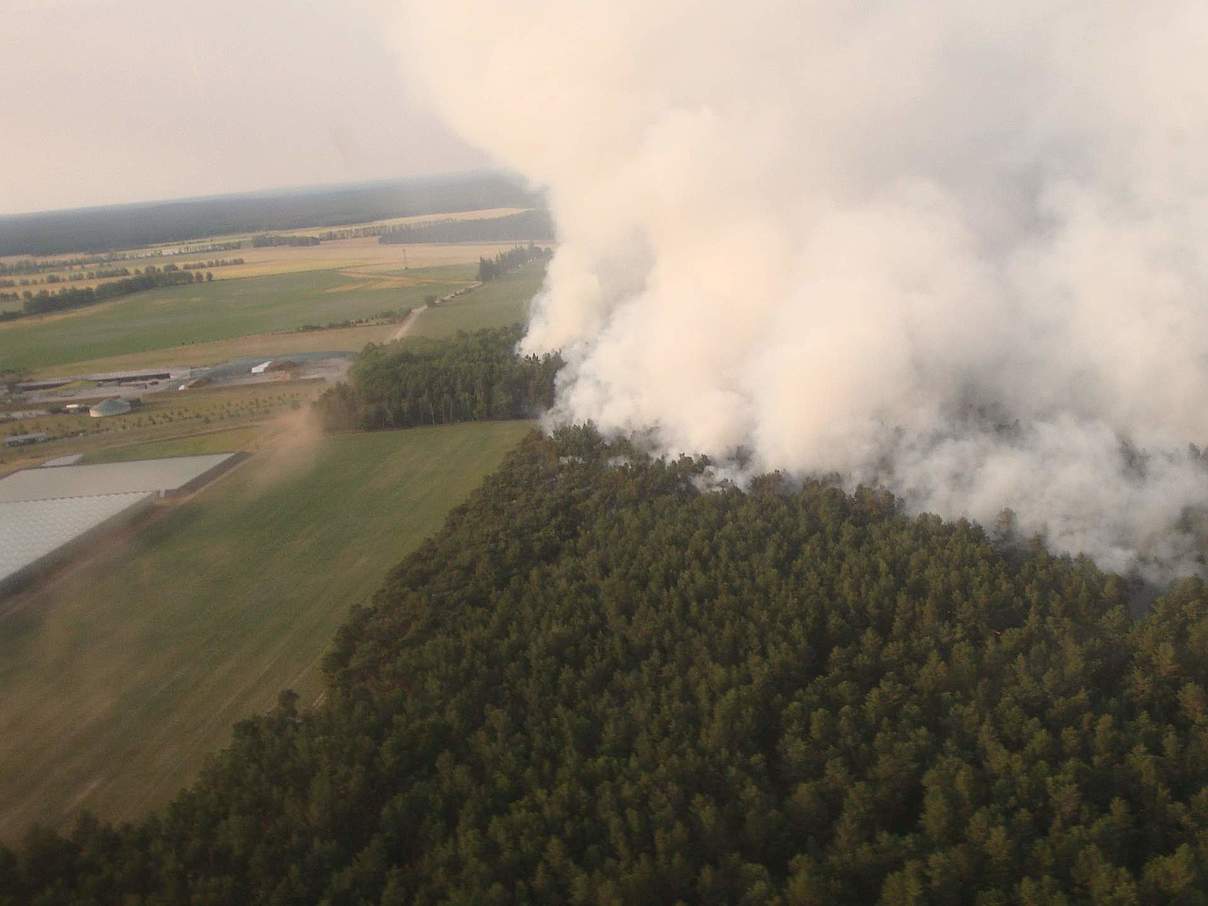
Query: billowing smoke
{"x":960,"y":249}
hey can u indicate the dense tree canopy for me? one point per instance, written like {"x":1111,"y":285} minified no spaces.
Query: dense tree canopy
{"x":606,"y":682}
{"x":473,"y":377}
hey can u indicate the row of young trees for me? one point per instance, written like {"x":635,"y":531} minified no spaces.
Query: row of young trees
{"x":473,"y":377}
{"x":607,"y":682}
{"x":151,"y":278}
{"x":26,"y":266}
{"x":268,"y":241}
{"x":109,"y":274}
{"x":490,"y":268}
{"x":217,"y":262}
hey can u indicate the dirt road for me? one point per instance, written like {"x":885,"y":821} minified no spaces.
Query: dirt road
{"x":405,"y":327}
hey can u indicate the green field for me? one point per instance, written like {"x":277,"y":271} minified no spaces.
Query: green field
{"x":500,"y":302}
{"x":344,"y":339}
{"x":207,"y":312}
{"x":249,"y":437}
{"x":119,"y":675}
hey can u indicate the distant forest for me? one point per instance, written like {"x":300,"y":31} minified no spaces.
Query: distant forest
{"x":526,"y":226}
{"x":125,"y":226}
{"x":606,"y":682}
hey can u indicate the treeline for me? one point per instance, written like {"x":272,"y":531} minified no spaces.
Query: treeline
{"x":131,"y":226}
{"x":32,"y":266}
{"x":108,"y":273}
{"x":268,"y":241}
{"x":605,"y":682}
{"x":525,"y":226}
{"x":40,"y":299}
{"x":473,"y":377}
{"x":105,"y":273}
{"x":388,"y":316}
{"x":490,"y":268}
{"x":210,"y":248}
{"x":151,"y":278}
{"x":71,"y":277}
{"x":202,"y":265}
{"x":26,"y":266}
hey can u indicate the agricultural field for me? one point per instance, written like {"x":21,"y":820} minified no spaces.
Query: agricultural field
{"x":502,"y":301}
{"x":363,"y":254}
{"x":362,"y":251}
{"x":121,"y":673}
{"x":204,"y":313}
{"x":247,"y":438}
{"x":268,"y":345}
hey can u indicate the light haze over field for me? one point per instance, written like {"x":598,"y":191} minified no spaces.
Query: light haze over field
{"x":131,"y":100}
{"x":957,"y":248}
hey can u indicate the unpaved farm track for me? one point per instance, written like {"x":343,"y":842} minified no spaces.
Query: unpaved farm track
{"x":408,"y":322}
{"x":413,"y":315}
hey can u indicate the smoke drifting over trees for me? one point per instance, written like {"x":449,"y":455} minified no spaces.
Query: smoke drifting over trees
{"x":954,"y":248}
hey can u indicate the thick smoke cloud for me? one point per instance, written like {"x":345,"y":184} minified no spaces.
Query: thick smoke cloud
{"x":958,"y":249}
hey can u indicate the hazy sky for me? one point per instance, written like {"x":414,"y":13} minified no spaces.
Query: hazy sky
{"x":129,"y":100}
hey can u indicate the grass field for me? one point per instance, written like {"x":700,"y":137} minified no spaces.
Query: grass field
{"x":224,"y":309}
{"x":341,"y":339}
{"x":120,"y":674}
{"x":500,"y":302}
{"x":228,"y":440}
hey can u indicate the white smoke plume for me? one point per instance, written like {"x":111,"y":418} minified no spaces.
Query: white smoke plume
{"x":960,"y":249}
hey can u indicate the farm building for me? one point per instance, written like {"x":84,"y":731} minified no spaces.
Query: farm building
{"x":36,"y":534}
{"x":70,"y":459}
{"x":21,"y":440}
{"x":109,"y":407}
{"x":162,"y":477}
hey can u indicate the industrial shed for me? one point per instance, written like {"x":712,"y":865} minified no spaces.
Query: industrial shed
{"x":49,"y":514}
{"x":164,"y":477}
{"x":37,"y":534}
